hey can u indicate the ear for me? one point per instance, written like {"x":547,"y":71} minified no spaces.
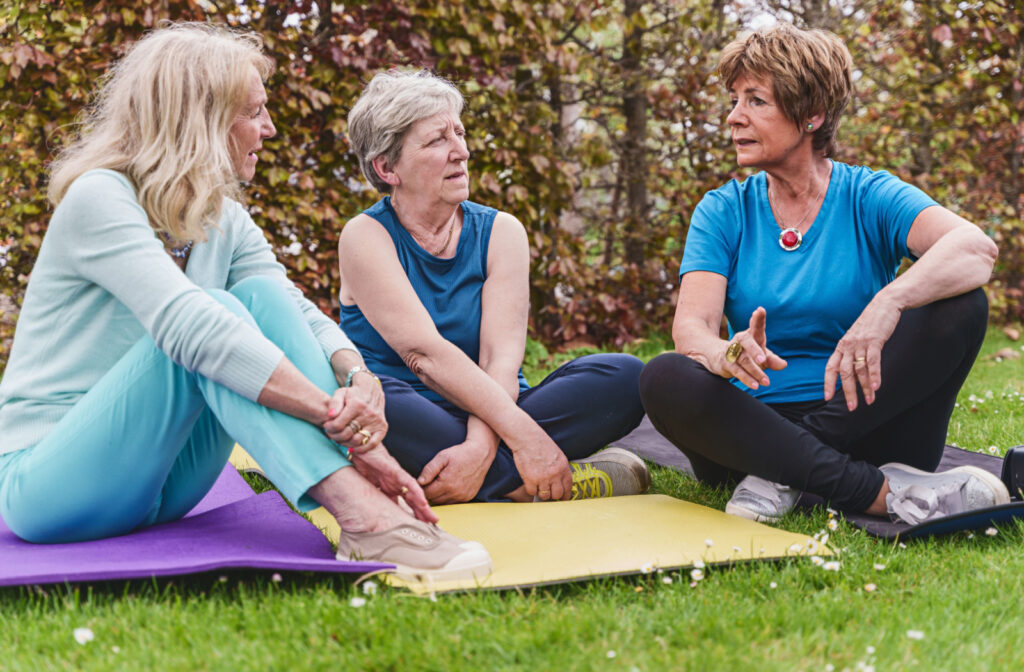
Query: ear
{"x":814,"y":123}
{"x":385,"y":172}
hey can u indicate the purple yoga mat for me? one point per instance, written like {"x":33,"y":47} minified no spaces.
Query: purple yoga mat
{"x":231,"y":527}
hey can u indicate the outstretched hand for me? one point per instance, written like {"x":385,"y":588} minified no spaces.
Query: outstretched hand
{"x":857,"y":359}
{"x":755,"y":356}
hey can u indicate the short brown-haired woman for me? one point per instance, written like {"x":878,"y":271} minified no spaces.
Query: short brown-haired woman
{"x":802,"y":258}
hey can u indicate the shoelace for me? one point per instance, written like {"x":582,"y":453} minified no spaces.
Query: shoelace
{"x":915,"y":505}
{"x":587,"y":481}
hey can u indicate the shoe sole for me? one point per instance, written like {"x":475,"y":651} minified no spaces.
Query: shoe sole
{"x":476,"y":567}
{"x":736,"y":510}
{"x":993,"y":481}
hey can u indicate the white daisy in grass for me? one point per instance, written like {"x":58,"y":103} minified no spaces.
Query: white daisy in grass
{"x":699,"y":564}
{"x":697,"y":574}
{"x":879,"y":566}
{"x":773,"y":585}
{"x":915,"y":634}
{"x":709,"y":543}
{"x":817,"y":561}
{"x":833,"y":524}
{"x":610,"y":654}
{"x":991,"y":531}
{"x":647,"y":568}
{"x":276,"y":578}
{"x":831,"y":566}
{"x":666,"y":580}
{"x":83,"y":635}
{"x":812,"y":545}
{"x":357,"y":602}
{"x":736,"y":549}
{"x":370,"y":588}
{"x":796,"y":548}
{"x":870,"y":587}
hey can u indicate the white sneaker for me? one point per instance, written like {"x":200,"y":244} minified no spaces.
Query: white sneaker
{"x":761,"y":500}
{"x":918,"y":496}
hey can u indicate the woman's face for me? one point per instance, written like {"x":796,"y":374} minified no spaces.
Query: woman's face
{"x":251,"y":125}
{"x":763,"y":136}
{"x":433,"y":159}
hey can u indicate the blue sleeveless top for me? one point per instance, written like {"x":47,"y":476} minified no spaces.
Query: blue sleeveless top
{"x":449,"y":289}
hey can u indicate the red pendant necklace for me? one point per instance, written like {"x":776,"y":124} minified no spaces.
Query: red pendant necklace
{"x":790,"y":237}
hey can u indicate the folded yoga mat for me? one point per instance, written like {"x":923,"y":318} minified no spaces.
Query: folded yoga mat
{"x":646,"y":442}
{"x":555,"y":542}
{"x":231,"y":527}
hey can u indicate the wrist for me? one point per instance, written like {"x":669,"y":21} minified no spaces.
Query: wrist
{"x":356,"y":370}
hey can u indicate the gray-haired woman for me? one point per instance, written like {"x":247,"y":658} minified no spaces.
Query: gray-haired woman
{"x":435,"y":292}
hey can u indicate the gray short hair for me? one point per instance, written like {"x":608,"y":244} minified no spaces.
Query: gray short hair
{"x":389,"y":105}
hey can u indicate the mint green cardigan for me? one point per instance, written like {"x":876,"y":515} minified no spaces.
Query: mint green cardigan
{"x":103,"y":280}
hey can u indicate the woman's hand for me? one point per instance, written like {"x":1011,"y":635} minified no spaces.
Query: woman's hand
{"x":356,"y":415}
{"x":383,"y":471}
{"x":754,"y":356}
{"x":541,"y":464}
{"x":857,"y":359}
{"x":456,"y":474}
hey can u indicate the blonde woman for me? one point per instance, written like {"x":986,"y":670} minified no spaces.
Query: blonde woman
{"x":158,"y":329}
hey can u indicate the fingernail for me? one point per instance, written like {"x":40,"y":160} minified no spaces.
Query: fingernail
{"x":331,"y":412}
{"x":850,"y":406}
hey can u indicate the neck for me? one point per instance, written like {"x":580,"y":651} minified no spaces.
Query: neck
{"x":801,"y":182}
{"x":420,"y":215}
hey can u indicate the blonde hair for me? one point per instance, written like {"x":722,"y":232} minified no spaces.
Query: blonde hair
{"x":161,"y":117}
{"x":390,"y":104}
{"x":810,"y":72}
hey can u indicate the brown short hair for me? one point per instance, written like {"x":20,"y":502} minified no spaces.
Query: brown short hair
{"x":810,"y":72}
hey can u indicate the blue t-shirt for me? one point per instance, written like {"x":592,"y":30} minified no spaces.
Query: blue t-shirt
{"x":450,"y":290}
{"x":813,"y":294}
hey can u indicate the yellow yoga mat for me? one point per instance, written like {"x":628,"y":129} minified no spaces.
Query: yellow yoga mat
{"x":554,"y":542}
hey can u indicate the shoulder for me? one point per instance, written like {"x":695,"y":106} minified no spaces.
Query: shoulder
{"x":99,"y":188}
{"x":733,"y":194}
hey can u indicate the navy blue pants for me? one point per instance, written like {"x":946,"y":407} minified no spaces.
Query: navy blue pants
{"x":820,"y":447}
{"x":583,"y":405}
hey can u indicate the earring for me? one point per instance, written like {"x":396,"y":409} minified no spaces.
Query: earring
{"x":810,"y":126}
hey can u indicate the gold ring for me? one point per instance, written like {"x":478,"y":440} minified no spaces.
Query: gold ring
{"x":858,"y":360}
{"x":405,"y":490}
{"x":355,"y":426}
{"x":543,"y":493}
{"x":366,"y":436}
{"x":733,"y":352}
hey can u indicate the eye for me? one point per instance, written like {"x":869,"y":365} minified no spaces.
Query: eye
{"x":732,"y":102}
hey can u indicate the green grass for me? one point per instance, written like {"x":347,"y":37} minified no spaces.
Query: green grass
{"x":962,"y":592}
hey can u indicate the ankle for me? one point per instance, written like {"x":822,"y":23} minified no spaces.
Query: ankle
{"x":878,"y":507}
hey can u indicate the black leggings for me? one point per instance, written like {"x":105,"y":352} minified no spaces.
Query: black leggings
{"x":820,"y":447}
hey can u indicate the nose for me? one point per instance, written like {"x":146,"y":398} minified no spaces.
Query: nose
{"x":267,"y":129}
{"x":735,"y":116}
{"x":460,"y":152}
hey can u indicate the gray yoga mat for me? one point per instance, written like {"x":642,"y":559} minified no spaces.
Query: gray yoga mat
{"x":646,"y":442}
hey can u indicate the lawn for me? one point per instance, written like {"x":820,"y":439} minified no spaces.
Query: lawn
{"x":948,"y":604}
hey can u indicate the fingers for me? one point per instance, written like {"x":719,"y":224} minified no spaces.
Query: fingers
{"x":758,"y":319}
{"x":417,"y":500}
{"x":353,"y":422}
{"x":432,"y":469}
{"x":746,"y":367}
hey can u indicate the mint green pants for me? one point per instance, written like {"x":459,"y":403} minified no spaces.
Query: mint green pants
{"x":147,"y":442}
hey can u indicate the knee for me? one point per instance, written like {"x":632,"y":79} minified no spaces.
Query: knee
{"x":961,"y":315}
{"x":623,"y":375}
{"x":675,"y":384}
{"x":256,"y":286}
{"x":232,"y":303}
